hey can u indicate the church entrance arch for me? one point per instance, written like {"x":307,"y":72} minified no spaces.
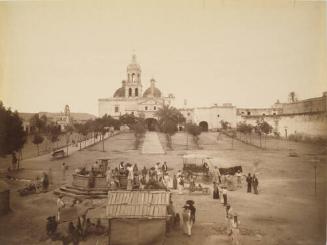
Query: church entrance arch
{"x":151,"y":124}
{"x":204,"y":126}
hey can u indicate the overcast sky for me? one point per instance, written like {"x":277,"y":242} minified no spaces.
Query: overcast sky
{"x":248,"y":53}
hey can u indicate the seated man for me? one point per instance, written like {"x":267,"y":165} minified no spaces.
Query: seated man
{"x":99,"y":228}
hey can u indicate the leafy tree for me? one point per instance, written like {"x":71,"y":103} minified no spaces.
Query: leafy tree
{"x":264,"y":127}
{"x":54,"y":132}
{"x":38,"y":123}
{"x":169,"y":118}
{"x":12,"y":134}
{"x":194,"y":130}
{"x":81,"y":129}
{"x":224,"y":125}
{"x":292,"y":97}
{"x":128,"y":119}
{"x":68,"y":131}
{"x":37,"y":140}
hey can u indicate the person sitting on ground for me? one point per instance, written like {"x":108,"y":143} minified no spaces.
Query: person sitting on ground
{"x":177,"y":221}
{"x":89,"y":227}
{"x":73,"y":233}
{"x":99,"y":228}
{"x":52,"y":225}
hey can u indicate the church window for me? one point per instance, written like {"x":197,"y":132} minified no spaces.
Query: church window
{"x":129,"y":92}
{"x":154,"y":108}
{"x":136,"y":92}
{"x":146,"y":108}
{"x":116,"y":109}
{"x":133,"y":77}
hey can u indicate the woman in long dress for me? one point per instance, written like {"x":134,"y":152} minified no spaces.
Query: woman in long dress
{"x":187,"y":222}
{"x":215,"y":191}
{"x":130,"y":177}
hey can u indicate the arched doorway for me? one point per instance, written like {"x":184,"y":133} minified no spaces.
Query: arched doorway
{"x":204,"y":126}
{"x":152,"y":124}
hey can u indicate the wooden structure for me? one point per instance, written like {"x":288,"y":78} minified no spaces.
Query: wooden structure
{"x":104,"y":162}
{"x":82,"y":181}
{"x":194,"y":164}
{"x":59,"y":153}
{"x":4,"y":198}
{"x":137,"y":217}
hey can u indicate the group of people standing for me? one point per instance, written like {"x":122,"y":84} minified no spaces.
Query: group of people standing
{"x":156,"y":177}
{"x":252,"y":181}
{"x":220,"y":192}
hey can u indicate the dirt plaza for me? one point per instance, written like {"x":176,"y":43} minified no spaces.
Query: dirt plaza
{"x":286,"y":211}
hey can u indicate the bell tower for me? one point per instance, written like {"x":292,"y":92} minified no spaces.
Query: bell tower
{"x":133,"y":86}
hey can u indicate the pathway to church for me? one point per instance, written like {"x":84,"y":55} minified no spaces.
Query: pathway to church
{"x":151,"y":144}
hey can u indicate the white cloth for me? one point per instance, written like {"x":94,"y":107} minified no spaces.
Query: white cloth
{"x":187,"y":223}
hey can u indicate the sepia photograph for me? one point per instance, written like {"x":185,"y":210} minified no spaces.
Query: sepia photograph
{"x":163,"y":122}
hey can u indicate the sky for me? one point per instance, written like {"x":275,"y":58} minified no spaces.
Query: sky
{"x":249,"y":53}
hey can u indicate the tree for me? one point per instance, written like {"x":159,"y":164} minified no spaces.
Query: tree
{"x":194,"y":130}
{"x":292,"y":97}
{"x":38,"y":123}
{"x":128,"y":119}
{"x":37,"y":139}
{"x":263,"y":127}
{"x":81,"y":129}
{"x":169,"y":118}
{"x":68,"y":131}
{"x":224,"y":125}
{"x":12,"y":134}
{"x":53,"y":132}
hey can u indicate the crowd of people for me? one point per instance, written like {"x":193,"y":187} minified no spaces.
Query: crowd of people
{"x":129,"y":176}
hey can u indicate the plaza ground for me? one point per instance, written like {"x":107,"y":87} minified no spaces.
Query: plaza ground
{"x":286,"y":211}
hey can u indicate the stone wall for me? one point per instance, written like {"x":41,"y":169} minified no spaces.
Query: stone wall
{"x":314,"y":124}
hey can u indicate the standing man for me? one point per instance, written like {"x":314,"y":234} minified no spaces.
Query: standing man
{"x":239,"y":178}
{"x":14,"y":161}
{"x":249,"y":181}
{"x":60,"y":206}
{"x":63,"y":169}
{"x":229,"y":216}
{"x":225,"y":196}
{"x":255,"y":183}
{"x":235,"y":229}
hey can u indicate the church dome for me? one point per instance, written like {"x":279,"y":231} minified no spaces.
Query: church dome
{"x":120,"y":92}
{"x":152,"y":91}
{"x":148,"y":93}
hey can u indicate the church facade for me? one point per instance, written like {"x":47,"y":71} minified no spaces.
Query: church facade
{"x":131,"y":99}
